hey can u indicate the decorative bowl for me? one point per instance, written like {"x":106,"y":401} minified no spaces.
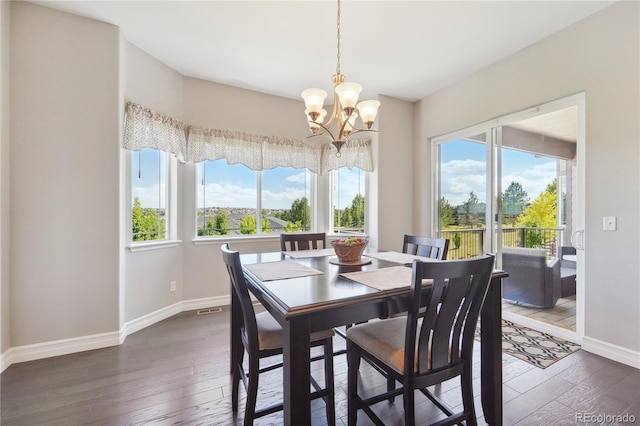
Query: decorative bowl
{"x":349,"y":250}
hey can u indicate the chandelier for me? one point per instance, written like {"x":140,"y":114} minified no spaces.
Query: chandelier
{"x":345,"y":104}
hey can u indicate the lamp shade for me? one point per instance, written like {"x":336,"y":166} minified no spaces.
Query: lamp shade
{"x":348,"y":94}
{"x":351,"y":122}
{"x":368,"y":110}
{"x":320,"y":119}
{"x":314,"y":99}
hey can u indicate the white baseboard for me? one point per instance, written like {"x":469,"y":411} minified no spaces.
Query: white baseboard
{"x":60,"y":347}
{"x":97,"y":341}
{"x":610,"y":351}
{"x":589,"y":344}
{"x":103,"y":340}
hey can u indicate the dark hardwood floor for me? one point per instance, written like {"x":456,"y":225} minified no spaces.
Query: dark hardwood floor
{"x":177,"y":372}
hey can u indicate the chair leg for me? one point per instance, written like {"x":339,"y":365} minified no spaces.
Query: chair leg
{"x":236,"y":376}
{"x":353,"y":363}
{"x":466,"y":383}
{"x":329,"y":382}
{"x":252,"y":391}
{"x":391,"y":385}
{"x":408,"y":394}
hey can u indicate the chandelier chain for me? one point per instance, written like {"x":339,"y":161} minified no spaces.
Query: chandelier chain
{"x":338,"y":35}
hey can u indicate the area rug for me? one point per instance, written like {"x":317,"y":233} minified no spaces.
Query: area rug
{"x":534,"y":347}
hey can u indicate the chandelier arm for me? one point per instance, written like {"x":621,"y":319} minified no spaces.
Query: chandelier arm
{"x":360,"y":131}
{"x":334,"y":113}
{"x":326,"y":129}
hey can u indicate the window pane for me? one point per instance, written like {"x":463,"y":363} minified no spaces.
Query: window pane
{"x":285,"y":200}
{"x":462,"y":190}
{"x":148,"y":180}
{"x":348,"y":201}
{"x":226,"y":200}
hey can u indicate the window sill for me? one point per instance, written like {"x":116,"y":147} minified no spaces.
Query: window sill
{"x":154,"y":245}
{"x":223,"y":238}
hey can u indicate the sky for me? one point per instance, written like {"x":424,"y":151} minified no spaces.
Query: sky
{"x":235,"y":186}
{"x":464,"y":170}
{"x":145,"y":168}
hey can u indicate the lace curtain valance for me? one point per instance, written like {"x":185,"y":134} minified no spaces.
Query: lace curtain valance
{"x":145,"y":128}
{"x":266,"y":152}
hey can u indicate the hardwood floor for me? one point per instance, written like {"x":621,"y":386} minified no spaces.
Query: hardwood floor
{"x":177,"y":372}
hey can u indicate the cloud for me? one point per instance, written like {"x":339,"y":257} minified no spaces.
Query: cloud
{"x":298,"y":178}
{"x":226,"y":194}
{"x":534,"y":179}
{"x":282,"y":199}
{"x":150,"y":196}
{"x":460,"y":177}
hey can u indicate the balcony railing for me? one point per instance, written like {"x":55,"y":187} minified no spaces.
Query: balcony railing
{"x":466,"y":243}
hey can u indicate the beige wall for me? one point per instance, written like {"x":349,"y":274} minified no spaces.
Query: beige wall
{"x":394,"y":174}
{"x":148,"y":274}
{"x":600,"y":56}
{"x":5,"y":26}
{"x":65,"y":111}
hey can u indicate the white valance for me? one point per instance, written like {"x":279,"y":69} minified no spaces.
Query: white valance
{"x":145,"y":128}
{"x":259,"y":152}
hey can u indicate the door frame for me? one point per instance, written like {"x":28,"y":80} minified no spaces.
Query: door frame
{"x":492,"y":130}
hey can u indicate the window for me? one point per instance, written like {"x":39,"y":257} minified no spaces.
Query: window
{"x":149,"y":195}
{"x":348,"y":200}
{"x":235,"y":200}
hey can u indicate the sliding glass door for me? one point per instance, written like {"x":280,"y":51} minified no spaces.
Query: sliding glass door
{"x":512,"y":183}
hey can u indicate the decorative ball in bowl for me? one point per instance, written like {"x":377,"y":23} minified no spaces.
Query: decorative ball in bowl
{"x":349,"y":250}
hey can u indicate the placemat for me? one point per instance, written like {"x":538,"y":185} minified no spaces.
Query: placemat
{"x":397,"y":257}
{"x":300,"y":254}
{"x":382,"y":279}
{"x":281,"y":270}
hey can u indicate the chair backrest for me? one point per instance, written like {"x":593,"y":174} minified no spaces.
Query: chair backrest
{"x":435,"y":248}
{"x":303,"y":241}
{"x":240,"y":291}
{"x":525,"y":264}
{"x":447,"y":331}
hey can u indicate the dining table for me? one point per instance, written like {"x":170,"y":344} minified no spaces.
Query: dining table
{"x":308,"y":291}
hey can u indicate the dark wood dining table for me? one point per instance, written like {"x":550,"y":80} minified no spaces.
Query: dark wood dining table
{"x":305,"y":304}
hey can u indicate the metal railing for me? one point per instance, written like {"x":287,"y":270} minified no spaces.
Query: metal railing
{"x":466,"y":243}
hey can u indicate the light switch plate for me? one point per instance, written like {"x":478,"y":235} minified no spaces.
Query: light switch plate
{"x":609,"y":223}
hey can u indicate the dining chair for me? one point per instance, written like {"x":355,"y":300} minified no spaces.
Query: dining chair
{"x":302,"y":241}
{"x":435,"y":248}
{"x":419,"y":351}
{"x":261,"y":337}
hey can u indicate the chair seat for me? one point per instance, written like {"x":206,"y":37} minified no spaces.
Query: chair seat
{"x":384,"y":339}
{"x":270,"y":332}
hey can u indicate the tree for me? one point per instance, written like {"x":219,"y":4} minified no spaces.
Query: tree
{"x":221,"y":226}
{"x":301,"y":212}
{"x":265,"y":225}
{"x":448,"y":214}
{"x":145,"y":223}
{"x":541,"y":213}
{"x":514,"y":201}
{"x":357,"y":211}
{"x":248,"y":225}
{"x":293,"y":226}
{"x":472,"y":210}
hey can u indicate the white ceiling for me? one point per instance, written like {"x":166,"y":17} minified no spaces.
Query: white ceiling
{"x":403,"y":49}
